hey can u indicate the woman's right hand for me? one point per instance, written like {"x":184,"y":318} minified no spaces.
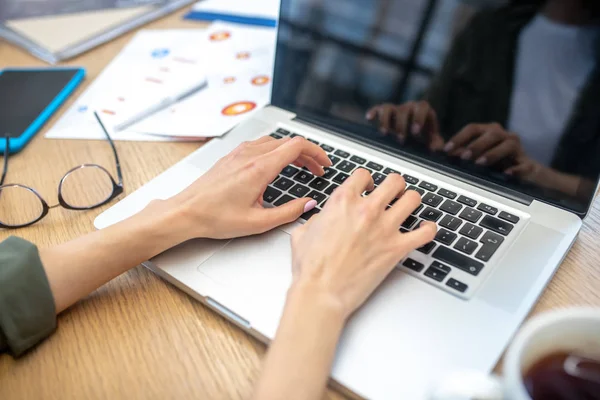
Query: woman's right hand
{"x":345,"y":252}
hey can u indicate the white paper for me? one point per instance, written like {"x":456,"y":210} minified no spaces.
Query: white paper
{"x":155,"y":64}
{"x":245,"y":8}
{"x":239,"y":65}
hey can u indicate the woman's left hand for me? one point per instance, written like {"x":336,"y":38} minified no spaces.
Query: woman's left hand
{"x":227,"y":201}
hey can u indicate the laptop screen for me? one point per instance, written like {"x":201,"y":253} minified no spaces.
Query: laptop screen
{"x":503,"y":93}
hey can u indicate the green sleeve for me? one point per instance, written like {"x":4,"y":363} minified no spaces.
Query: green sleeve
{"x":27,"y":310}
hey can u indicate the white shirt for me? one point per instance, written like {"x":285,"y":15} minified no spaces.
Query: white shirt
{"x":553,"y":64}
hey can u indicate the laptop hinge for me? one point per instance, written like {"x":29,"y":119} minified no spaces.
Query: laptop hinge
{"x":451,"y":173}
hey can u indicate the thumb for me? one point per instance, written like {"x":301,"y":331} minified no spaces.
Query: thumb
{"x":287,"y":212}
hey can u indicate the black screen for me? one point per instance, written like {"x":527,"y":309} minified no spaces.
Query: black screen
{"x":25,"y":94}
{"x":513,"y":86}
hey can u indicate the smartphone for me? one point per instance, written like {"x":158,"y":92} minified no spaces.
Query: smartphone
{"x":29,"y":97}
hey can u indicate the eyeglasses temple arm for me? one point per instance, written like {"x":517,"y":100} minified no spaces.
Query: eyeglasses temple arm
{"x":114,"y":149}
{"x":5,"y":168}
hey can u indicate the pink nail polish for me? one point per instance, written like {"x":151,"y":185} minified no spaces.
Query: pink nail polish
{"x":466,"y":155}
{"x":310,"y":205}
{"x":448,"y":147}
{"x":416,"y":129}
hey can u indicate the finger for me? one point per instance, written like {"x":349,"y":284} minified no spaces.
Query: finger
{"x":421,"y":113}
{"x":386,"y":114}
{"x":418,"y":237}
{"x":312,"y":165}
{"x":391,"y":187}
{"x":268,"y":218}
{"x":436,"y":142}
{"x":507,"y":148}
{"x":401,"y":209}
{"x":463,"y":137}
{"x":264,"y":139}
{"x":402,"y":116}
{"x":289,"y":152}
{"x":359,"y":182}
{"x":372,"y":113}
{"x":488,"y":140}
{"x":523,"y":169}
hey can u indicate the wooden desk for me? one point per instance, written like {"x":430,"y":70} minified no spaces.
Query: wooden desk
{"x":139,"y":338}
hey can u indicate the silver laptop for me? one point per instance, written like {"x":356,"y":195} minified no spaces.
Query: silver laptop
{"x":455,"y":303}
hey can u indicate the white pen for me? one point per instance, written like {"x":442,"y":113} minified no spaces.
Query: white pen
{"x":161,"y":105}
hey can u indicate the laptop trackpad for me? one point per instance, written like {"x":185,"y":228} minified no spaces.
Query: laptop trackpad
{"x":257,"y":269}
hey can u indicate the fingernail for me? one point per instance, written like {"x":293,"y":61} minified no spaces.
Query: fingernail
{"x":369,"y":115}
{"x":416,"y":129}
{"x":310,"y":205}
{"x":466,"y":155}
{"x":448,"y":147}
{"x":329,"y":162}
{"x":481,"y":161}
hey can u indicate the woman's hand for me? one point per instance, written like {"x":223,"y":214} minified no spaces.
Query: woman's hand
{"x":347,"y":250}
{"x":486,"y":144}
{"x":418,"y":114}
{"x":226,"y":202}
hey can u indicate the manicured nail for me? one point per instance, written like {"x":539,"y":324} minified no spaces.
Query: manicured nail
{"x":369,"y":115}
{"x":310,"y":205}
{"x":448,"y":147}
{"x":466,"y":155}
{"x":481,"y":161}
{"x":416,"y":129}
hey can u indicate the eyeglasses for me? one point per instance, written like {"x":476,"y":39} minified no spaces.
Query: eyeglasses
{"x":82,"y":188}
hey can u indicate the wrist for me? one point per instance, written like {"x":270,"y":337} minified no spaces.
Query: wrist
{"x":315,"y":300}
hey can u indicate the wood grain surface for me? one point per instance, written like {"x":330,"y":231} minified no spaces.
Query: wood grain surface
{"x":138,"y":337}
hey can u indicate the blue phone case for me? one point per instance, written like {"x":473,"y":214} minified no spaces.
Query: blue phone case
{"x":16,"y":144}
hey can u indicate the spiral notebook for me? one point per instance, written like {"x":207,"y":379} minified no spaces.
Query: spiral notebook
{"x":60,"y":37}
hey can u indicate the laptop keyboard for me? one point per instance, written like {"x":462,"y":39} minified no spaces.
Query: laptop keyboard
{"x":470,"y":232}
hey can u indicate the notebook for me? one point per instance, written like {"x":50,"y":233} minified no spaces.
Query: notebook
{"x":60,"y":37}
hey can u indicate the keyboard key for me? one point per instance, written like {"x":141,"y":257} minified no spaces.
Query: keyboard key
{"x":283,"y":183}
{"x":450,"y":222}
{"x":410,"y":179}
{"x":303,"y":177}
{"x":346,"y":166}
{"x":276,"y":136}
{"x":378,"y":178}
{"x":309,"y":214}
{"x":329,"y":173}
{"x":414,"y":265}
{"x":458,"y":285}
{"x":358,"y":160}
{"x":432,"y":200}
{"x":428,"y":186}
{"x":426,"y":249}
{"x":496,"y":225}
{"x":470,"y":215}
{"x":313,"y":141}
{"x":467,"y":201}
{"x":375,"y":166}
{"x":334,"y":159}
{"x":293,"y":135}
{"x":445,"y":236}
{"x":416,"y":211}
{"x":319,"y":197}
{"x":451,"y":207}
{"x":488,"y":209}
{"x":319,"y":184}
{"x":341,"y":177}
{"x":282,"y":131}
{"x":416,"y":189}
{"x":342,"y":153}
{"x":327,"y":148}
{"x":447,"y":193}
{"x":404,"y":230}
{"x":508,"y":217}
{"x":471,"y":231}
{"x":437,"y":271}
{"x":465,"y":245}
{"x":271,"y":194}
{"x":289,"y":171}
{"x":409,"y":222}
{"x":492,"y":238}
{"x":455,"y":259}
{"x":331,"y":188}
{"x":388,"y":171}
{"x":283,"y":199}
{"x":299,"y":190}
{"x":431,"y":214}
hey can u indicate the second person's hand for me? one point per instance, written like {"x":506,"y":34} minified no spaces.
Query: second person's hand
{"x":226,"y":202}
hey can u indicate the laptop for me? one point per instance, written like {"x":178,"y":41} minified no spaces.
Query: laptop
{"x":455,"y":303}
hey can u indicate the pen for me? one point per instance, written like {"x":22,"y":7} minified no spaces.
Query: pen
{"x":161,"y":105}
